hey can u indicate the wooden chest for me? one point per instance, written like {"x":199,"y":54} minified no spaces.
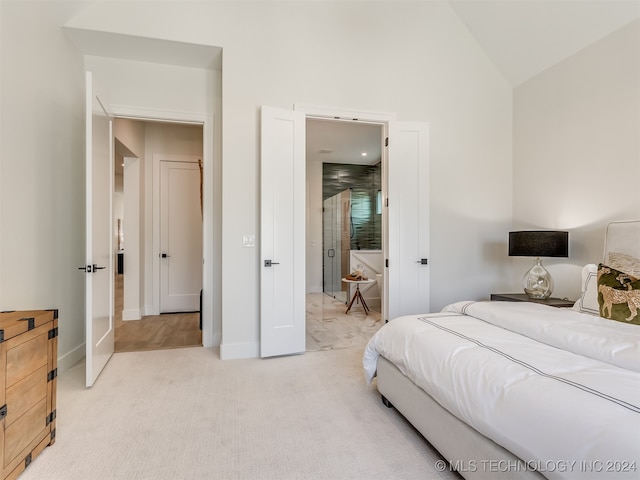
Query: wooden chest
{"x":28,"y":371}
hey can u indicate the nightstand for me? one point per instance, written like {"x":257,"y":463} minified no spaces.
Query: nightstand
{"x":522,"y":297}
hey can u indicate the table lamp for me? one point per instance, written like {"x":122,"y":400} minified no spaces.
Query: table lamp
{"x":537,"y":282}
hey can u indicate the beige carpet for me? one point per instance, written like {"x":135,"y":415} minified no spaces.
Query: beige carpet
{"x":186,"y":414}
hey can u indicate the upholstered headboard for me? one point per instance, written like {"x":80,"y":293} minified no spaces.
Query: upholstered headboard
{"x":622,"y":237}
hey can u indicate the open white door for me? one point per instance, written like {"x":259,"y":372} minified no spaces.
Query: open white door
{"x":99,"y":328}
{"x":282,"y":233}
{"x":408,"y":220}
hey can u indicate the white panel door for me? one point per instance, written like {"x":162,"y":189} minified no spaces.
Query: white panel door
{"x":408,"y":220}
{"x":99,"y":328}
{"x":282,"y":233}
{"x":180,"y":237}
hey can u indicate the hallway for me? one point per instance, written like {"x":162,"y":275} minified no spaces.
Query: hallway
{"x":154,"y":332}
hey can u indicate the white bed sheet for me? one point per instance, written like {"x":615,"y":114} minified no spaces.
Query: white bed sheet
{"x":562,"y":392}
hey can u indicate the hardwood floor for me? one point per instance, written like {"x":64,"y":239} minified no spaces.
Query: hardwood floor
{"x":327,"y":326}
{"x":155,"y":332}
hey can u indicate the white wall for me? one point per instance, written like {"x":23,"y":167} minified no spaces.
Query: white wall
{"x":414,"y":59}
{"x":314,"y":238}
{"x":133,"y":235}
{"x":577,"y":151}
{"x":131,"y":134}
{"x":42,"y":169}
{"x":358,"y":66}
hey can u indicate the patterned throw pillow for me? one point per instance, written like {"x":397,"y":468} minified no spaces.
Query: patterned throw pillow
{"x":618,"y":295}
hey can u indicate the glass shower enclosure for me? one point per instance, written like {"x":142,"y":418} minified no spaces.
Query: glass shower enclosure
{"x":336,"y":219}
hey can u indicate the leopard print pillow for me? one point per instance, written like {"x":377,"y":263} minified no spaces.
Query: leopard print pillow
{"x":618,"y":295}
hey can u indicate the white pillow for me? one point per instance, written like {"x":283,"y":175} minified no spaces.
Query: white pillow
{"x":588,"y":302}
{"x":625,"y":263}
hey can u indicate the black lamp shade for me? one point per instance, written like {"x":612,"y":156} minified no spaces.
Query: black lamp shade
{"x":537,"y":243}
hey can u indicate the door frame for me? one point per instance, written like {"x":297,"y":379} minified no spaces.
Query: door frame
{"x":210,"y":286}
{"x":337,"y":114}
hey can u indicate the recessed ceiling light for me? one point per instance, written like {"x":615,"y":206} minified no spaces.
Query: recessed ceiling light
{"x":364,"y":154}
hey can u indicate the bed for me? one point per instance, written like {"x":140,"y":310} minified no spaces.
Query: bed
{"x":523,"y":390}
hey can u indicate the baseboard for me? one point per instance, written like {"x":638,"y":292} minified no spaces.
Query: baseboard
{"x":234,"y":351}
{"x":133,"y":314}
{"x":69,"y":359}
{"x":214,"y":341}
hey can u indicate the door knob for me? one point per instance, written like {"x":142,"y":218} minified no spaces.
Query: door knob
{"x":268,"y":263}
{"x":164,"y":255}
{"x":91,"y":268}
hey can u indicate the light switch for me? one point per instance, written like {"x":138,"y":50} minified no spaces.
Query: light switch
{"x":248,"y":241}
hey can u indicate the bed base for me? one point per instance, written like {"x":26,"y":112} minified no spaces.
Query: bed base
{"x":471,"y":453}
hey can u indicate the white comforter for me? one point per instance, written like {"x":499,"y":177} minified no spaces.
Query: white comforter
{"x":559,"y":389}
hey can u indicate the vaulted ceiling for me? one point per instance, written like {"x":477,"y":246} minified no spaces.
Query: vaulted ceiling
{"x":525,"y":37}
{"x":521,"y":37}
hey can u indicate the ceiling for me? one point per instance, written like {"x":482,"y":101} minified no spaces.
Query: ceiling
{"x":343,"y":141}
{"x":521,"y":37}
{"x":525,"y":37}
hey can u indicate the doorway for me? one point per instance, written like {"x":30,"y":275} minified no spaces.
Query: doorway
{"x":144,"y":205}
{"x":344,"y":218}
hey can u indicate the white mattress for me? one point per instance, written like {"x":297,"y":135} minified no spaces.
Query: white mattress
{"x":559,"y":389}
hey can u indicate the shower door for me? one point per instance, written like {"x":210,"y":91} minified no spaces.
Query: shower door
{"x":335,"y":248}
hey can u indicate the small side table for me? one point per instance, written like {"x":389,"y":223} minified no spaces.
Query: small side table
{"x":357,"y":295}
{"x":523,"y":297}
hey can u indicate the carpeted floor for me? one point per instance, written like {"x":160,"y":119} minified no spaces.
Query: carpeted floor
{"x":186,"y":414}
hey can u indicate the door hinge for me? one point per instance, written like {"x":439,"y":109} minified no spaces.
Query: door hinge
{"x":52,"y":374}
{"x":386,"y":202}
{"x":51,"y":417}
{"x":53,"y":333}
{"x":386,"y":142}
{"x":3,"y":411}
{"x":31,"y":322}
{"x":386,"y":262}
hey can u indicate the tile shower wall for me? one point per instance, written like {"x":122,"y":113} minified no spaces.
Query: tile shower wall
{"x":365,"y":183}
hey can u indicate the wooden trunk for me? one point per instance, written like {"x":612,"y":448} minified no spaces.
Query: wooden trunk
{"x":28,"y":379}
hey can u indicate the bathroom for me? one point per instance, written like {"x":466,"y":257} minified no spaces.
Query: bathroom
{"x":352,"y":227}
